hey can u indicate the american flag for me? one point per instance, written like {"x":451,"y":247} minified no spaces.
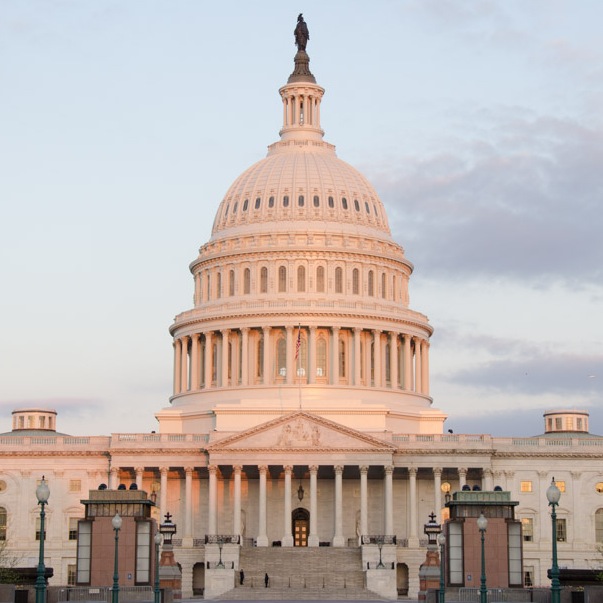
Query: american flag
{"x":298,"y":342}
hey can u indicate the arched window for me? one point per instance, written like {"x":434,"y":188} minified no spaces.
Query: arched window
{"x":371,"y":283}
{"x":281,"y":357}
{"x":264,"y":280}
{"x":342,"y":358}
{"x":258,"y":200}
{"x":316,"y":201}
{"x":331,"y":202}
{"x":245,"y":204}
{"x":247,"y":281}
{"x":231,"y":283}
{"x":301,"y":278}
{"x":338,"y":280}
{"x":219,"y":285}
{"x":271,"y":202}
{"x":599,"y":526}
{"x":320,"y":279}
{"x":208,"y":281}
{"x":321,"y":357}
{"x":383,"y":286}
{"x":236,"y":206}
{"x":356,"y":205}
{"x":355,"y":281}
{"x":300,"y":200}
{"x":282,"y":279}
{"x":286,"y":201}
{"x":344,"y":203}
{"x":3,"y":518}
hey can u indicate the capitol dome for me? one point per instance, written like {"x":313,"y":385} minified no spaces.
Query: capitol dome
{"x":301,"y":297}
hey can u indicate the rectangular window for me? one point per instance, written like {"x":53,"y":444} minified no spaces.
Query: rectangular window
{"x":528,"y":576}
{"x":561,"y":530}
{"x":75,"y":485}
{"x":558,"y":423}
{"x":527,"y":525}
{"x":73,"y":521}
{"x":579,"y":424}
{"x":38,"y":526}
{"x":71,"y":568}
{"x":455,"y":554}
{"x":143,"y":552}
{"x":514,"y":535}
{"x":525,"y":486}
{"x":84,"y":546}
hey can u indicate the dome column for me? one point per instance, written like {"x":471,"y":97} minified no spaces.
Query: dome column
{"x":225,"y":357}
{"x":208,"y":359}
{"x":184,"y":364}
{"x":377,"y":357}
{"x":312,"y":355}
{"x":407,"y":364}
{"x":334,"y":356}
{"x":418,"y":365}
{"x":244,"y":356}
{"x":177,"y":359}
{"x":393,"y":359}
{"x":195,"y":369}
{"x":357,"y":359}
{"x":267,"y":354}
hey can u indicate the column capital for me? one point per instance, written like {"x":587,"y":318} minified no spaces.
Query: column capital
{"x":139,"y":469}
{"x":115,"y":470}
{"x":237,"y":469}
{"x":462,"y":470}
{"x":266,"y":329}
{"x":312,"y":328}
{"x":225,"y":332}
{"x":388,"y":470}
{"x":363,"y":469}
{"x":189,"y":470}
{"x":357,"y":329}
{"x":412,"y":471}
{"x":487,"y":471}
{"x":313,"y":468}
{"x":213,"y":469}
{"x":244,"y":329}
{"x":263,"y":468}
{"x":288,"y":469}
{"x":185,"y":339}
{"x":338,"y":469}
{"x":437,"y":471}
{"x":377,"y":332}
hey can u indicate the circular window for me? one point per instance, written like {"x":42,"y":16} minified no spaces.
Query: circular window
{"x":2,"y":485}
{"x":599,"y":487}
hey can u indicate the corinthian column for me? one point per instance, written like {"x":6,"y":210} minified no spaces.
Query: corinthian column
{"x":262,"y":538}
{"x":287,"y":537}
{"x":418,"y":370}
{"x":338,"y":537}
{"x":389,"y":501}
{"x":195,"y":362}
{"x":313,"y":536}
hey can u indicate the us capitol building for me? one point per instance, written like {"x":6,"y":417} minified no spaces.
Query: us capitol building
{"x":301,"y":415}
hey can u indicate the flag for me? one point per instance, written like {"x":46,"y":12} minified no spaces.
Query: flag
{"x":298,"y":342}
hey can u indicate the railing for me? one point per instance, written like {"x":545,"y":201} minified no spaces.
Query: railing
{"x":103,"y":593}
{"x":378,"y":539}
{"x":151,"y":440}
{"x":496,"y":595}
{"x":222,"y":539}
{"x":93,"y":443}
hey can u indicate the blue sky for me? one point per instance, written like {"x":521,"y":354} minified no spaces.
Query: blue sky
{"x":478,"y":122}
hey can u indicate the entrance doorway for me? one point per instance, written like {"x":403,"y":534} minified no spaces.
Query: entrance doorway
{"x":300,"y":519}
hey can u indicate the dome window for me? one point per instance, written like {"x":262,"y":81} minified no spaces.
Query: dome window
{"x":316,"y":201}
{"x":375,"y":210}
{"x":236,"y":206}
{"x":356,"y":205}
{"x":226,"y":210}
{"x":331,"y":202}
{"x":300,"y":200}
{"x":257,"y":203}
{"x":286,"y":201}
{"x":271,"y":202}
{"x":344,"y":203}
{"x":366,"y":206}
{"x":245,"y":204}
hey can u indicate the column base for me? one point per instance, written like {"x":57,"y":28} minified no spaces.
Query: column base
{"x":313,"y":540}
{"x":287,"y":541}
{"x":338,"y":541}
{"x":261,"y":541}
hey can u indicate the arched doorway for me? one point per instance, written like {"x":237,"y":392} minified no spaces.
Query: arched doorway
{"x":402,"y":578}
{"x":300,"y":523}
{"x":198,"y":579}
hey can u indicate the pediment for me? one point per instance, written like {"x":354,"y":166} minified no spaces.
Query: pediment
{"x":301,"y":431}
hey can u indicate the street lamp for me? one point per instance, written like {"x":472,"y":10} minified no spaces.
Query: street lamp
{"x":158,"y":539}
{"x":482,"y":524}
{"x":553,"y":494}
{"x":116,"y":521}
{"x":42,"y":494}
{"x":442,"y":543}
{"x":220,"y":545}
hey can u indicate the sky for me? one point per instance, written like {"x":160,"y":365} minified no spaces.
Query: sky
{"x":124,"y":122}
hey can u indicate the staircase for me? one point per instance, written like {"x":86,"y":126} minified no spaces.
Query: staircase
{"x":296,"y":573}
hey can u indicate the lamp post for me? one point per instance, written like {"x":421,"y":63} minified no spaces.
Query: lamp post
{"x":380,"y":540}
{"x":116,"y":521}
{"x":220,"y":545}
{"x":158,"y":539}
{"x":482,"y":525}
{"x":442,"y":543}
{"x":42,"y":494}
{"x":553,"y":494}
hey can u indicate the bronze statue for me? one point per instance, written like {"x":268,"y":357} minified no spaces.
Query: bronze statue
{"x":301,"y":33}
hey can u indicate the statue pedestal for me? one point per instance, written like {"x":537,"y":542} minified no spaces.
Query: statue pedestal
{"x":429,"y":572}
{"x":170,"y":575}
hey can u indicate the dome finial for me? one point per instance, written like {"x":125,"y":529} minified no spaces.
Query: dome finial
{"x":301,"y":72}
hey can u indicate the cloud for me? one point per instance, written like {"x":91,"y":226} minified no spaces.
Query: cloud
{"x":523,"y":202}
